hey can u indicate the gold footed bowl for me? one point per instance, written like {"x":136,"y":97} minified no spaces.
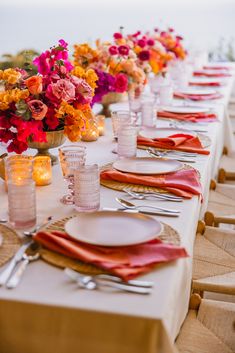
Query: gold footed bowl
{"x":54,"y":139}
{"x":111,"y":98}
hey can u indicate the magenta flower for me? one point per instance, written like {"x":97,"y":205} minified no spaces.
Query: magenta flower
{"x":43,"y":63}
{"x":121,"y":83}
{"x":113,"y":50}
{"x":141,"y":43}
{"x":60,"y":90}
{"x":170,"y":29}
{"x":144,"y":55}
{"x":136,"y":34}
{"x":117,"y":35}
{"x":123,"y":50}
{"x":179,"y":37}
{"x":150,"y":42}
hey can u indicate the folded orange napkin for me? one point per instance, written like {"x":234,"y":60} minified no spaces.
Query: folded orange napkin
{"x":196,"y":97}
{"x":179,"y":142}
{"x":126,"y":262}
{"x":184,"y":182}
{"x":195,"y":117}
{"x":211,"y":74}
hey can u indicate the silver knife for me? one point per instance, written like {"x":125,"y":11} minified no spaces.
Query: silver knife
{"x":6,"y":273}
{"x":153,"y":213}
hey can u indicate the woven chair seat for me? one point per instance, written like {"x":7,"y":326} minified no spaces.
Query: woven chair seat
{"x":222,"y":200}
{"x":208,"y":330}
{"x":228,"y":163}
{"x":214,"y":261}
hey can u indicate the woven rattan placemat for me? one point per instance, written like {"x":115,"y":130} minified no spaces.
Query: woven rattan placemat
{"x":169,"y":235}
{"x":10,"y":244}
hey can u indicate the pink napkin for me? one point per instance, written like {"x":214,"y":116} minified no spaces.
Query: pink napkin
{"x":126,"y":262}
{"x":211,"y":74}
{"x":196,"y":97}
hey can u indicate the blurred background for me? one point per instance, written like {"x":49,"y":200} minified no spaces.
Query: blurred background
{"x":205,"y":24}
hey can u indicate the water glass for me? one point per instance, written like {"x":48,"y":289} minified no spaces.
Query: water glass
{"x":22,"y":203}
{"x":147,"y":112}
{"x":134,"y":99}
{"x":127,"y":141}
{"x":87,"y":188}
{"x":119,"y":117}
{"x":166,"y":94}
{"x":72,"y":157}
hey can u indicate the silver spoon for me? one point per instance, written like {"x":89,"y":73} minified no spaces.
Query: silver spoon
{"x":128,"y":204}
{"x":139,"y":196}
{"x":38,"y":227}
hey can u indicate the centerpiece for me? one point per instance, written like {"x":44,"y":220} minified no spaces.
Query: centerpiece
{"x":39,"y":111}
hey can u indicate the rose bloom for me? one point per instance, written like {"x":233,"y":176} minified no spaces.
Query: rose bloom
{"x":123,"y":50}
{"x":141,"y":43}
{"x":60,"y":90}
{"x":117,"y":35}
{"x":121,"y":83}
{"x":34,"y":84}
{"x":38,"y":109}
{"x":113,"y":50}
{"x":144,"y":55}
{"x":150,"y":42}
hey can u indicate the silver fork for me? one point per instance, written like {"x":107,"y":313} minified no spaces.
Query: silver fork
{"x":141,"y":196}
{"x":157,"y":154}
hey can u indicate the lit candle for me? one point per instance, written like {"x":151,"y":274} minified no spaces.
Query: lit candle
{"x":92,"y":133}
{"x":42,"y":172}
{"x":101,"y":124}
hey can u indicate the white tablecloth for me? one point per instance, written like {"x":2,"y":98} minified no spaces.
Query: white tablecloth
{"x":47,"y":312}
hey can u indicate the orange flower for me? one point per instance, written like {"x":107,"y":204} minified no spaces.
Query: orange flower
{"x":34,"y":84}
{"x":38,"y":109}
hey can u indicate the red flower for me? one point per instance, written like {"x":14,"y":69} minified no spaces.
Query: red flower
{"x":17,"y":146}
{"x":5,"y":122}
{"x":141,"y":43}
{"x":6,"y":135}
{"x":113,"y":50}
{"x":150,"y":42}
{"x":123,"y":50}
{"x":170,"y":29}
{"x":136,"y":34}
{"x":144,"y":55}
{"x":179,"y":37}
{"x":51,"y":120}
{"x":117,"y":35}
{"x":121,"y":83}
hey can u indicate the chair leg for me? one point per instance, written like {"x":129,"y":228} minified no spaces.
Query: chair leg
{"x":209,"y":218}
{"x":195,"y":301}
{"x":221,"y":176}
{"x":201,"y":227}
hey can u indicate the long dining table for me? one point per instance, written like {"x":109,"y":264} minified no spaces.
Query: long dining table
{"x":48,"y":313}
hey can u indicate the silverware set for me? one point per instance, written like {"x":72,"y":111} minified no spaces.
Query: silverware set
{"x":103,"y":281}
{"x":153,"y":195}
{"x":178,"y":155}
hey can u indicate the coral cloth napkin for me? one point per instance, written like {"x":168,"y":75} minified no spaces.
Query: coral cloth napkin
{"x":208,"y":67}
{"x":197,"y":97}
{"x":211,"y":74}
{"x":126,"y":262}
{"x":196,"y":117}
{"x":179,"y":142}
{"x":206,"y":84}
{"x":184,"y":182}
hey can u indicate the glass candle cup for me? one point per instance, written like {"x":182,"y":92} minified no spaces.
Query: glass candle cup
{"x":22,"y":203}
{"x":87,"y":188}
{"x":42,"y":171}
{"x":166,"y":94}
{"x":100,"y":119}
{"x":72,"y":157}
{"x":18,"y":168}
{"x":120,"y":117}
{"x":127,"y":141}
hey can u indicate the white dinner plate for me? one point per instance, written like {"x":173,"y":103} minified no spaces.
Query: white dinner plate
{"x":184,"y":109}
{"x":147,"y":165}
{"x":198,"y":92}
{"x":113,"y":228}
{"x":151,"y":132}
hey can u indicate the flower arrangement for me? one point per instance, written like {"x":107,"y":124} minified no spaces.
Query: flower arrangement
{"x":171,"y":42}
{"x":57,"y":98}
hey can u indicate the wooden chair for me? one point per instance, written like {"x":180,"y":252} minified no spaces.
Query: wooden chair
{"x":227,"y":168}
{"x":221,"y":204}
{"x":208,"y":327}
{"x":214,"y":260}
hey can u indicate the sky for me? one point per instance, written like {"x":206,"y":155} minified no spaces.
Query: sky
{"x":39,"y":24}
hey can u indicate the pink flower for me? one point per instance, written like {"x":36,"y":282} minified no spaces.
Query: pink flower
{"x":136,"y":34}
{"x":156,"y":29}
{"x":61,"y":90}
{"x":38,"y":109}
{"x":121,"y":83}
{"x":123,"y":50}
{"x":170,"y":29}
{"x":150,"y":42}
{"x":83,"y":91}
{"x":144,"y":55}
{"x":117,"y":35}
{"x":63,"y":44}
{"x":141,"y":43}
{"x":113,"y":50}
{"x":179,"y":37}
{"x":43,"y":63}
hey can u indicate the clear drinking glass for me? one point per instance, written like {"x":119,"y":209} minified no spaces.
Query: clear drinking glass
{"x":22,"y":203}
{"x":87,"y":188}
{"x":147,"y":111}
{"x":71,"y":159}
{"x":166,"y":94}
{"x":127,"y":141}
{"x":119,"y":118}
{"x":134,"y":98}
